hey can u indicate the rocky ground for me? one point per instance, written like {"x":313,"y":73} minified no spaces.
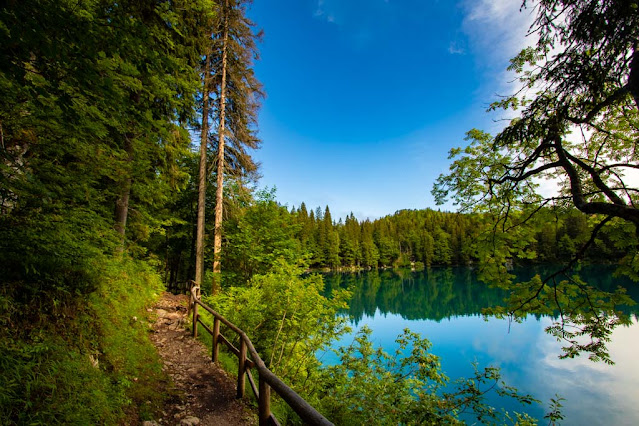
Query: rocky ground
{"x":204,"y":393}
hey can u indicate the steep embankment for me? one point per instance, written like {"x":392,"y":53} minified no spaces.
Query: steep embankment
{"x":70,"y":358}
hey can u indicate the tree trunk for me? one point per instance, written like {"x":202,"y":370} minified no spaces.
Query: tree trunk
{"x":122,"y":203}
{"x":190,"y":272}
{"x":219,"y":195}
{"x":633,"y":78}
{"x":201,"y":201}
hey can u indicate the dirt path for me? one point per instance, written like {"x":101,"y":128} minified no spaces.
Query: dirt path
{"x":205,"y":394}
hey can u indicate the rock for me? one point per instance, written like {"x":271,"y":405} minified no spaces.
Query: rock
{"x":161,"y":313}
{"x":150,"y":423}
{"x":173,"y":315}
{"x":190,"y":421}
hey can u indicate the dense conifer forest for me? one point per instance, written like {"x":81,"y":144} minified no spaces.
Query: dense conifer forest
{"x":263,"y":230}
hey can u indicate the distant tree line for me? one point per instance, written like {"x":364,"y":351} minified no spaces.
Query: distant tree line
{"x":431,"y":237}
{"x":258,"y":230}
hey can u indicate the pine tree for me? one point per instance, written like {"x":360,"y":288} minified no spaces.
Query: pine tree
{"x":236,"y":94}
{"x":202,"y":173}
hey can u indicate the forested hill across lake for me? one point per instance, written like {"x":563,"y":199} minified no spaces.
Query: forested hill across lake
{"x":267,"y":230}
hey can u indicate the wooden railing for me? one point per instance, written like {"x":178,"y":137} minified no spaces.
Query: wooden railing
{"x":267,"y":380}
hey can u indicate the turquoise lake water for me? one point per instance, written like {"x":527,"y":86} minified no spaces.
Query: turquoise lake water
{"x":444,"y":305}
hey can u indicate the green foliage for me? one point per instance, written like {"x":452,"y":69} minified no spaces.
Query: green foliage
{"x":257,"y":237}
{"x":586,"y":315}
{"x":243,"y":92}
{"x":45,"y":382}
{"x":370,"y":386}
{"x":289,"y":321}
{"x":258,"y":230}
{"x":287,"y":318}
{"x":555,"y":415}
{"x":92,"y":92}
{"x":96,"y":99}
{"x":577,"y":125}
{"x":438,"y":238}
{"x":54,"y":250}
{"x":398,"y":240}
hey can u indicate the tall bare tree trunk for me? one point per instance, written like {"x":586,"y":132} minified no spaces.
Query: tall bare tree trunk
{"x":201,"y":200}
{"x":122,"y":203}
{"x":219,"y":195}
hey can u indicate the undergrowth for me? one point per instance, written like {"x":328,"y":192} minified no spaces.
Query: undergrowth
{"x":81,"y":359}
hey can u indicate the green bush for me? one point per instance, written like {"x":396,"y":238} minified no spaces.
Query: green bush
{"x":290,"y":321}
{"x":287,"y":318}
{"x":51,"y":252}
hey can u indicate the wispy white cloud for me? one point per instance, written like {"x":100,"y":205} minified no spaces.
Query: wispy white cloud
{"x":499,"y":27}
{"x":353,"y":14}
{"x":325,"y":11}
{"x":497,"y":30}
{"x":455,"y":49}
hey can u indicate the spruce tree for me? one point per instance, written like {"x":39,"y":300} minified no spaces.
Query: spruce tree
{"x":234,"y":93}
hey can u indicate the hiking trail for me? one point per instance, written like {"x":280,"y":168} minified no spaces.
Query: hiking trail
{"x":203,"y":393}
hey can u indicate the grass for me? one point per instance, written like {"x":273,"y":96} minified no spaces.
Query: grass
{"x":82,"y":359}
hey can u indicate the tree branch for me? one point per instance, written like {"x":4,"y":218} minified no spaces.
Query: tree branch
{"x":522,"y":177}
{"x":622,"y":211}
{"x":596,"y":179}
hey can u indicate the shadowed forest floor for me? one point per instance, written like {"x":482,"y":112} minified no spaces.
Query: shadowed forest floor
{"x":202,"y":392}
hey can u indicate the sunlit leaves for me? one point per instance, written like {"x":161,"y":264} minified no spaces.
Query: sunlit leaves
{"x":287,"y":318}
{"x":371,"y":386}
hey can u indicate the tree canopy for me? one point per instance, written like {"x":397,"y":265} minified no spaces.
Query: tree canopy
{"x":576,"y":124}
{"x":96,"y":96}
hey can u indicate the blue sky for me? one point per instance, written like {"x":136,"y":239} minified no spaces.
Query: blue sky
{"x":366,"y":97}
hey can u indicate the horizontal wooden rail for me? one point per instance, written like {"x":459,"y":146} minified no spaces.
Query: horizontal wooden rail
{"x":267,"y":380}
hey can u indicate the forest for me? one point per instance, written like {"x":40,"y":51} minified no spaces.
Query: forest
{"x":126,"y":131}
{"x":263,"y":230}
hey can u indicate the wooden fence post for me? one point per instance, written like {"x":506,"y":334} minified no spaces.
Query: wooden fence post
{"x":195,"y":319}
{"x":264,"y":403}
{"x":216,"y":335}
{"x":241,"y":369}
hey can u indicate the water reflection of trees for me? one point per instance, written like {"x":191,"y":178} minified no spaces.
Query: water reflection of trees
{"x":440,"y":293}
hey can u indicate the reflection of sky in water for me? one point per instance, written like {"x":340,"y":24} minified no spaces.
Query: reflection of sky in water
{"x":595,"y":393}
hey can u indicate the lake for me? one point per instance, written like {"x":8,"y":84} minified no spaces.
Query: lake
{"x":444,"y":305}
